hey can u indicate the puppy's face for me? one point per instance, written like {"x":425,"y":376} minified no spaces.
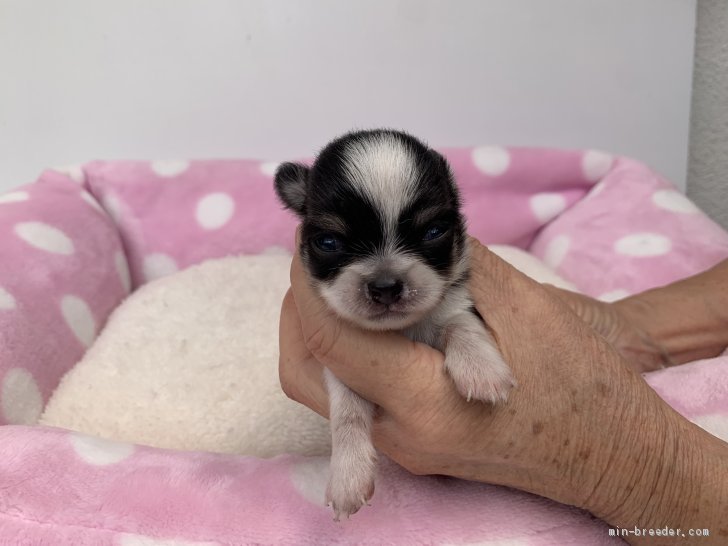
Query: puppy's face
{"x":382,"y":235}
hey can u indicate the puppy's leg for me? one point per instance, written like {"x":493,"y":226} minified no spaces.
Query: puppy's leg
{"x":353,"y":458}
{"x":473,"y":360}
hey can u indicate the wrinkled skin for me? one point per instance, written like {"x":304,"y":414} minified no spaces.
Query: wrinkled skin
{"x":613,"y":322}
{"x":582,"y":428}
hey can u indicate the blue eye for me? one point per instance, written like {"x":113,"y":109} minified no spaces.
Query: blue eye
{"x":328,"y":243}
{"x":435,"y":232}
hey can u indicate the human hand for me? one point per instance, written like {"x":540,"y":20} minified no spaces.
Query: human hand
{"x":673,"y":324}
{"x":582,"y":428}
{"x":615,"y":323}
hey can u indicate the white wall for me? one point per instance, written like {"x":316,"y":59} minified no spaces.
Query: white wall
{"x":84,"y":79}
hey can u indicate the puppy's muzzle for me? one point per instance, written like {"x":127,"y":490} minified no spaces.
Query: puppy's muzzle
{"x":386,"y":291}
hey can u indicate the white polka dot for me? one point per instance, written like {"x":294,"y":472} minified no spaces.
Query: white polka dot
{"x":643,"y":245}
{"x":158,"y":265}
{"x":79,"y":318}
{"x":269,"y":168}
{"x":276,"y":251}
{"x":556,"y":250}
{"x":86,"y":196}
{"x":122,"y":268}
{"x":595,"y":164}
{"x":44,"y":237}
{"x":547,"y":206}
{"x":20,"y":398}
{"x":7,"y":301}
{"x":113,"y":207}
{"x":716,"y":424}
{"x":674,"y":201}
{"x":99,"y":451}
{"x":491,"y":160}
{"x":128,"y":539}
{"x":614,"y":295}
{"x":170,"y":168}
{"x":14,"y":197}
{"x":214,"y":210}
{"x":74,"y":172}
{"x":310,"y":477}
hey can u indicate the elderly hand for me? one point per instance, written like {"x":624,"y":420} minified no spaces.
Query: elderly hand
{"x":615,"y":323}
{"x":582,"y":428}
{"x":668,"y":325}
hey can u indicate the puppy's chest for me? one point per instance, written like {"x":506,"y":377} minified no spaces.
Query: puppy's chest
{"x":431,"y":330}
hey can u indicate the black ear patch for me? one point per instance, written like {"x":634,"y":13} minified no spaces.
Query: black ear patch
{"x":290,"y":184}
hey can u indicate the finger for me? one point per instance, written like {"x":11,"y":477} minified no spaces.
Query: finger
{"x":517,"y":308}
{"x":634,"y":345}
{"x":498,"y":288}
{"x":380,"y":366}
{"x":300,"y":374}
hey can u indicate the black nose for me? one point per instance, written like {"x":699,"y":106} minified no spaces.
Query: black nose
{"x":386,"y":291}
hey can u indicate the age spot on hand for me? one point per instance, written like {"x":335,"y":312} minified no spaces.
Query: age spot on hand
{"x":602,"y":389}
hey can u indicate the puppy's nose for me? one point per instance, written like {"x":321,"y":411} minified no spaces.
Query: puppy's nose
{"x":386,"y":291}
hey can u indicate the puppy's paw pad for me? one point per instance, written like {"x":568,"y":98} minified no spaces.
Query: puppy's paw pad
{"x":476,"y":379}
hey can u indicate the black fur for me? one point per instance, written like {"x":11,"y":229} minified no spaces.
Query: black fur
{"x":324,"y":192}
{"x":290,"y":184}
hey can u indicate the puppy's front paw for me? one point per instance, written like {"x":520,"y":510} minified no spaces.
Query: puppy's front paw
{"x":480,"y":377}
{"x":474,"y":362}
{"x":351,"y":483}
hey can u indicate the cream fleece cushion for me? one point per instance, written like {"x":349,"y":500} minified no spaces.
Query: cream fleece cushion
{"x":190,"y":361}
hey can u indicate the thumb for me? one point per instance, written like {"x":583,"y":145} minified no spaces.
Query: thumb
{"x":512,"y":304}
{"x":495,"y":282}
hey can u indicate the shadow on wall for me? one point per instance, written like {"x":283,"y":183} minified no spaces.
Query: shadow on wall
{"x":708,"y":162}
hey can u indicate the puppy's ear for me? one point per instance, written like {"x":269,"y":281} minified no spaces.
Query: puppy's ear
{"x":290,"y":184}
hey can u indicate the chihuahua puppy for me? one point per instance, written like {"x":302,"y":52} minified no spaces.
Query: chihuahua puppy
{"x":384,"y":242}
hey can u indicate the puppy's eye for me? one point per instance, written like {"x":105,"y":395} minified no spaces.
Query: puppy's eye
{"x":434,"y":232}
{"x":328,"y":243}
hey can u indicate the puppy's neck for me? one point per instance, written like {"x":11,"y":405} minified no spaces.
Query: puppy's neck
{"x":430,"y":329}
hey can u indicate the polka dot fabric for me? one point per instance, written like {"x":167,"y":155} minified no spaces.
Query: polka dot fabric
{"x":608,"y":224}
{"x":172,"y":214}
{"x":634,"y":231}
{"x":58,"y":283}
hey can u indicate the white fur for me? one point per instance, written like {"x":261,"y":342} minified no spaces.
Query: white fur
{"x":383,"y":170}
{"x":421,"y":292}
{"x":353,"y":458}
{"x":473,"y":361}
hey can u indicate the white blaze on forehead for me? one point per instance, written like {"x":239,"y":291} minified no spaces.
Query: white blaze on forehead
{"x":383,"y":169}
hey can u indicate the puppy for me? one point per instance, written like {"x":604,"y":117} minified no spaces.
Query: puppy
{"x":384,"y":242}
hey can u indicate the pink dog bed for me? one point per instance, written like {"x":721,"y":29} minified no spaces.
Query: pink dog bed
{"x":73,"y":244}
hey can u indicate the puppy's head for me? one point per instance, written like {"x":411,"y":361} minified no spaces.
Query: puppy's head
{"x":382,"y":235}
